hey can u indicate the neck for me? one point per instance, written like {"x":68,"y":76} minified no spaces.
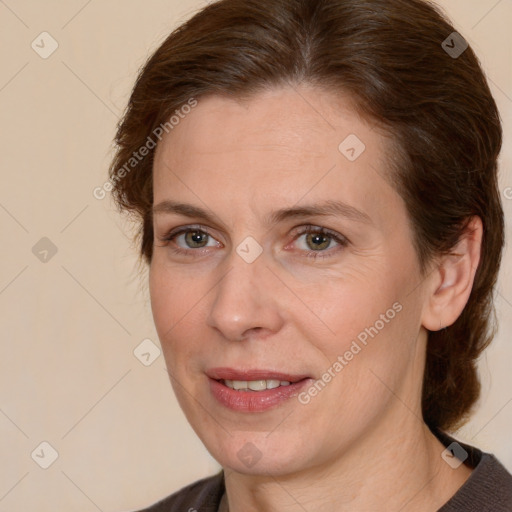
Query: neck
{"x":395,"y":468}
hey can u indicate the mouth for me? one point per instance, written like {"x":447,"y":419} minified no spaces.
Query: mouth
{"x":254,"y":390}
{"x":254,"y":385}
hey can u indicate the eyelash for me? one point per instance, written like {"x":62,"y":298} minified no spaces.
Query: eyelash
{"x":339,"y":239}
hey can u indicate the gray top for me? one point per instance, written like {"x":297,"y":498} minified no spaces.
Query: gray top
{"x":488,"y":489}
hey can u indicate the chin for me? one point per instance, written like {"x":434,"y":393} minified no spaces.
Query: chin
{"x":255,"y":453}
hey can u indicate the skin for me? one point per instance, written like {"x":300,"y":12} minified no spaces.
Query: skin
{"x":361,"y":443}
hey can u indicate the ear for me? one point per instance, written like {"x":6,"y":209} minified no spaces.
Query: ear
{"x":452,"y":279}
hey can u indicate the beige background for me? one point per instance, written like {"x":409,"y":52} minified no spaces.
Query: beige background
{"x":69,"y":326}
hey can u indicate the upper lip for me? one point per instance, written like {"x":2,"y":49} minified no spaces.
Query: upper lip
{"x":252,"y":374}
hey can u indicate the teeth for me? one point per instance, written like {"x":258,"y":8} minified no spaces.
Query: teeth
{"x":271,"y":384}
{"x":239,"y":384}
{"x":255,"y":385}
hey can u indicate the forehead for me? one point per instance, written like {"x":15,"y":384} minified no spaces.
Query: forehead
{"x":299,"y":119}
{"x":277,"y":146}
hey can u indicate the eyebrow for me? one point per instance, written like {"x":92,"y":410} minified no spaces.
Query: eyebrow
{"x":327,"y":208}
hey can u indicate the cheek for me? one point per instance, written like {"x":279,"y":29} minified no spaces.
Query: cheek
{"x":179,"y":304}
{"x":366,"y":318}
{"x":163,"y":297}
{"x":172,"y":302}
{"x":347,"y":303}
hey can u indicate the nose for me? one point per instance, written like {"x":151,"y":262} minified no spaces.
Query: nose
{"x":246,"y":301}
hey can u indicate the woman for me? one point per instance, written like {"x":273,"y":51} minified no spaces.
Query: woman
{"x":317,"y":188}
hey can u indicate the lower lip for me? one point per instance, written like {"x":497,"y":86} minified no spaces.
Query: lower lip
{"x":255,"y":401}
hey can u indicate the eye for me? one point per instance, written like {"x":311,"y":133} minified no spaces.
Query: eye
{"x":317,"y":240}
{"x":193,"y":239}
{"x":187,"y":239}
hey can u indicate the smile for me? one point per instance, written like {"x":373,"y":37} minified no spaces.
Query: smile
{"x":254,"y":390}
{"x":254,"y":385}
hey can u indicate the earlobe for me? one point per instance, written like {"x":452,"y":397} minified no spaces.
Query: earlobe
{"x":452,"y":279}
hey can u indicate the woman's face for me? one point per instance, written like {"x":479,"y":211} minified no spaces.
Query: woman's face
{"x":298,"y":267}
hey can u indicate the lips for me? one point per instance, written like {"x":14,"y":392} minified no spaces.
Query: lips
{"x":255,"y":390}
{"x":251,"y":375}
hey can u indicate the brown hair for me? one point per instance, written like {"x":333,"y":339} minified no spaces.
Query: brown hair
{"x":388,"y":55}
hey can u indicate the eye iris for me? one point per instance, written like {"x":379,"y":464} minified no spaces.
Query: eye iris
{"x":196,"y":239}
{"x":317,"y":241}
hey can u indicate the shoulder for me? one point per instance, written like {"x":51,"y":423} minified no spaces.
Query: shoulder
{"x":201,"y":496}
{"x":489,"y":487}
